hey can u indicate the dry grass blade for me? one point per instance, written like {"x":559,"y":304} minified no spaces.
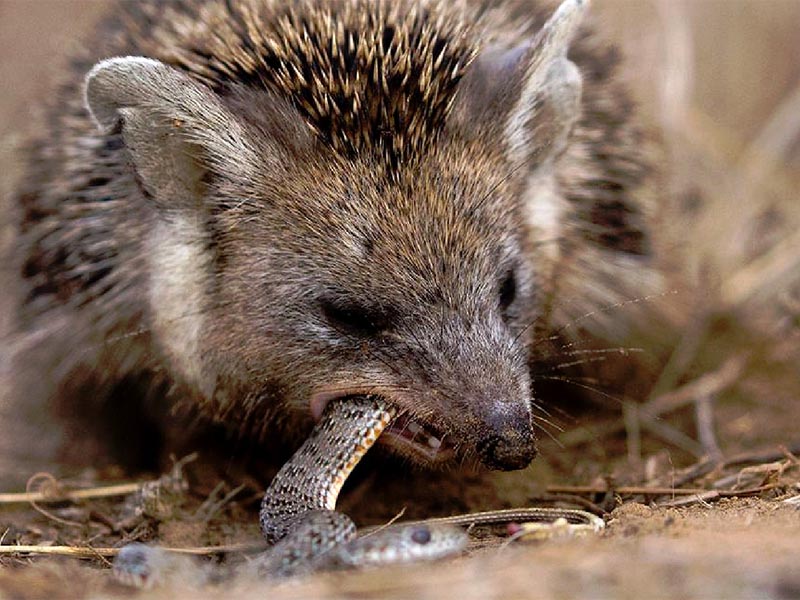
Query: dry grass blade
{"x":777,"y":269}
{"x":705,"y":497}
{"x":89,"y":552}
{"x":107,"y":491}
{"x":776,"y":138}
{"x":72,"y":551}
{"x":709,"y":384}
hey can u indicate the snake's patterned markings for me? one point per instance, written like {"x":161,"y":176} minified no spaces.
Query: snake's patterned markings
{"x":298,"y":514}
{"x":298,"y":511}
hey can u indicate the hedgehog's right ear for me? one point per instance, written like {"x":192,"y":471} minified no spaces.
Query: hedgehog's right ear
{"x":527,"y":97}
{"x":175,"y":128}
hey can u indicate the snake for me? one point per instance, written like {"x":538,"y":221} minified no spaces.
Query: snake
{"x":298,"y":515}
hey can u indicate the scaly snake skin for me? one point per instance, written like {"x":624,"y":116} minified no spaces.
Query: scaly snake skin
{"x":298,"y":516}
{"x":312,"y":479}
{"x":298,"y":511}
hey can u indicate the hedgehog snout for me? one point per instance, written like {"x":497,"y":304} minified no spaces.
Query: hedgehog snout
{"x":509,"y":451}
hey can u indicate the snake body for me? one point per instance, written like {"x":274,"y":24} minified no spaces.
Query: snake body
{"x":298,"y":513}
{"x":298,"y":510}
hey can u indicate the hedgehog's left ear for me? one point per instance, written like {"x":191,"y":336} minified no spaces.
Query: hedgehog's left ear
{"x":528,"y":96}
{"x":175,"y":129}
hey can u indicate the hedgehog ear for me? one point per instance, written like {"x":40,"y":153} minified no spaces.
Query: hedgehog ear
{"x":175,"y":128}
{"x":529,"y":95}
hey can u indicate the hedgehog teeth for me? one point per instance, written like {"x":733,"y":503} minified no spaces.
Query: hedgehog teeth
{"x":414,"y":428}
{"x":434,"y":442}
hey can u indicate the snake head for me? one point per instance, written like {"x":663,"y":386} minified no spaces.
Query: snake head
{"x":402,"y":544}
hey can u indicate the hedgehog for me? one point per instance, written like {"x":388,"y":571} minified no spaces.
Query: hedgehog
{"x":249,"y":209}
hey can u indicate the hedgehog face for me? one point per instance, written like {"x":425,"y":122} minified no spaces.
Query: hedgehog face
{"x":409,"y":283}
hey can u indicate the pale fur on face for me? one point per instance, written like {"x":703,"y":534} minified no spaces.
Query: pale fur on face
{"x":180,"y":267}
{"x":544,"y":211}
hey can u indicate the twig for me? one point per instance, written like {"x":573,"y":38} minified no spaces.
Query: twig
{"x":709,"y":384}
{"x":49,"y":483}
{"x":683,"y":354}
{"x":704,"y":417}
{"x":706,"y":385}
{"x":790,"y":456}
{"x":709,"y":464}
{"x":209,"y":509}
{"x":622,"y":490}
{"x":224,"y":549}
{"x":775,"y":139}
{"x":700,"y":469}
{"x":777,"y":266}
{"x":703,"y":387}
{"x":673,"y":436}
{"x":657,"y":491}
{"x":122,"y":489}
{"x":593,"y":433}
{"x":371,"y":530}
{"x":74,"y":551}
{"x":694,"y":498}
{"x":90,"y":552}
{"x":762,"y":456}
{"x":585,"y":504}
{"x":630,"y":416}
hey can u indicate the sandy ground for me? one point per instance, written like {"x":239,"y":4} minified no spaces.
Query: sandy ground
{"x":717,"y":75}
{"x":736,"y":549}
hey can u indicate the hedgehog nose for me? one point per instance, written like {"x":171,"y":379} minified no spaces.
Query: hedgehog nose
{"x":508,"y":451}
{"x":505,"y":439}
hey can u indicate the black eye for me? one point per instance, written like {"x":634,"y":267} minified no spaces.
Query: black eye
{"x":355,"y":319}
{"x":421,"y":535}
{"x":508,"y":290}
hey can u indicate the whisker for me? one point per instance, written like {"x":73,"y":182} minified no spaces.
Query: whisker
{"x":554,"y":408}
{"x":558,"y":333}
{"x":585,"y":386}
{"x":549,"y":434}
{"x":549,"y":422}
{"x":540,"y":408}
{"x":574,"y":363}
{"x":622,"y":351}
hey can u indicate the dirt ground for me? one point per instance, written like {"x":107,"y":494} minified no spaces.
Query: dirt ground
{"x":696,"y":472}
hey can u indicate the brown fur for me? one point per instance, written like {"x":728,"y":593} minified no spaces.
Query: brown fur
{"x":355,"y":235}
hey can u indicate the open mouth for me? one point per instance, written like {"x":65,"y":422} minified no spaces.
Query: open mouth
{"x":420,"y":440}
{"x":406,"y":435}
